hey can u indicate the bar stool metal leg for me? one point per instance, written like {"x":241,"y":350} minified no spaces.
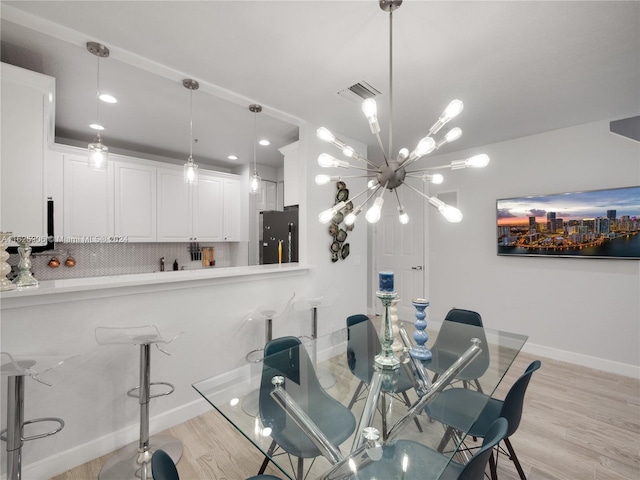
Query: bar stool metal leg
{"x":134,"y":461}
{"x":15,"y":421}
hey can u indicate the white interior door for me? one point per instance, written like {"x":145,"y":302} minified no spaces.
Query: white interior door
{"x":401,"y":250}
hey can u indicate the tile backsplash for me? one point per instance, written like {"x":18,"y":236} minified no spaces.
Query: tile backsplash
{"x":101,"y":259}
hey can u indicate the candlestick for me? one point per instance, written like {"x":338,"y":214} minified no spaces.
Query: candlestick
{"x":420,"y":352}
{"x":5,"y":268}
{"x":386,"y":360}
{"x":25,"y":277}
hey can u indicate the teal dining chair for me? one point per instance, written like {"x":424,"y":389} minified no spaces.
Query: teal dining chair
{"x":162,"y":466}
{"x":422,"y":460}
{"x":449,"y":345}
{"x":461,"y":409}
{"x":287,"y":357}
{"x":363,"y":344}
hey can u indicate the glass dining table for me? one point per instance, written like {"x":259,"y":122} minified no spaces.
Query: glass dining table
{"x":390,"y":435}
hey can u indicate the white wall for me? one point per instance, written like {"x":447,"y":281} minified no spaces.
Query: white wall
{"x":349,"y":276}
{"x":585,"y":311}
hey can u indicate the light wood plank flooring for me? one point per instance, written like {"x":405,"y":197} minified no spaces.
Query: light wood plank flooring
{"x":578,"y":424}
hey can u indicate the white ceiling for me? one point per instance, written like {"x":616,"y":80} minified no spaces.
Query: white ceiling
{"x":521,"y":67}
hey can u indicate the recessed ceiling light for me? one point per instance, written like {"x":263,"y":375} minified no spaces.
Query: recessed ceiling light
{"x":106,"y":98}
{"x":264,"y":142}
{"x":232,"y":157}
{"x":96,"y":126}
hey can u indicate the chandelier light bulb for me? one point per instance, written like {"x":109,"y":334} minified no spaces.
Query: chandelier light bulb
{"x":478,"y":161}
{"x":373,"y":214}
{"x":402,"y":216}
{"x":436,"y":178}
{"x":348,"y":151}
{"x":373,"y":183}
{"x":425,"y":146}
{"x":326,"y":215}
{"x":370,"y":110}
{"x":403,"y":153}
{"x":452,"y":214}
{"x":453,"y":135}
{"x":350,"y":219}
{"x":453,"y":110}
{"x":324,"y":179}
{"x":327,"y":161}
{"x":325,"y":135}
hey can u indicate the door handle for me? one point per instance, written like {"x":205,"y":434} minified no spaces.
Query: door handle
{"x":419,"y":267}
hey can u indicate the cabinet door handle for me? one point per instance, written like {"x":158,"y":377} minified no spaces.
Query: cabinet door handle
{"x":419,"y":267}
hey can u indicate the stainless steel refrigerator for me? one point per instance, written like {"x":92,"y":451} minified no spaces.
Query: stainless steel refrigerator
{"x":279,"y":236}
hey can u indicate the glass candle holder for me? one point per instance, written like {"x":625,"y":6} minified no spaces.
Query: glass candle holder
{"x":386,"y":360}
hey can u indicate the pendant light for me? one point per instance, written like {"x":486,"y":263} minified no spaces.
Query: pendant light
{"x":190,"y":168}
{"x":255,"y":185}
{"x":98,"y":152}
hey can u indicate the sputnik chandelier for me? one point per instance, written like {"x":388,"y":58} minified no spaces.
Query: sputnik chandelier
{"x":393,"y":172}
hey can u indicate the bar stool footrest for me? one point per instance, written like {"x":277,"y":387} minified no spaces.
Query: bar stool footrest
{"x":57,"y":420}
{"x":135,"y":391}
{"x":255,"y":356}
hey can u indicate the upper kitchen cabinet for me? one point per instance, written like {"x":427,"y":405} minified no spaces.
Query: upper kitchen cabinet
{"x":232,"y":210}
{"x":135,"y":202}
{"x":207,"y":212}
{"x":174,"y":206}
{"x":27,"y":130}
{"x":207,"y":208}
{"x":87,"y":200}
{"x":291,"y":174}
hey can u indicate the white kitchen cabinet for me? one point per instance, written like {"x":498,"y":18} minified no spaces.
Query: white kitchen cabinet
{"x":232,"y":210}
{"x":174,"y":206}
{"x":207,"y":208}
{"x":87,"y":201}
{"x":27,"y":131}
{"x":135,"y":202}
{"x":291,"y":174}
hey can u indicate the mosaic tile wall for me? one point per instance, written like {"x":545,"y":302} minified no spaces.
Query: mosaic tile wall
{"x":100,"y":259}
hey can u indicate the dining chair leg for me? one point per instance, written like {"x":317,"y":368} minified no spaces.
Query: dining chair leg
{"x":445,"y":439}
{"x":478,"y":385}
{"x":265,"y":462}
{"x":514,"y":459}
{"x":383,"y":411}
{"x":493,"y":467}
{"x":300,"y":472}
{"x":407,"y":402}
{"x":356,"y":394}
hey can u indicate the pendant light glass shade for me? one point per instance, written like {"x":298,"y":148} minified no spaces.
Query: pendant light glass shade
{"x":255,"y":183}
{"x":190,"y":171}
{"x":98,"y":153}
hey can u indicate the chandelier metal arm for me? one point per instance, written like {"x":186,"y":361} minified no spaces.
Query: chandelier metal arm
{"x":418,"y":191}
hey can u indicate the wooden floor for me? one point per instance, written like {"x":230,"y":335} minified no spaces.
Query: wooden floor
{"x":578,"y":424}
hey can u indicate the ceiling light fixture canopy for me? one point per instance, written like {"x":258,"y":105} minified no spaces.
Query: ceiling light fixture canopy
{"x":190,"y":168}
{"x":393,"y":173}
{"x":255,"y":184}
{"x":98,"y":152}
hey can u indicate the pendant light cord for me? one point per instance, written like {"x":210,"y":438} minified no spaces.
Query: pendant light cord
{"x":255,"y":133}
{"x":98,"y":96}
{"x":191,"y":124}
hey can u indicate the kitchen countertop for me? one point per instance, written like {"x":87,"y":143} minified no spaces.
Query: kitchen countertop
{"x":55,"y":291}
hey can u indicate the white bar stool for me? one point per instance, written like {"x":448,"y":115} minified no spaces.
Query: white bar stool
{"x":15,"y":371}
{"x":328,"y":298}
{"x":134,"y":461}
{"x":268,"y":315}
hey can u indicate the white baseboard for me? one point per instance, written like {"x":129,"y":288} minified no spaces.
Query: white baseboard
{"x":583,"y":360}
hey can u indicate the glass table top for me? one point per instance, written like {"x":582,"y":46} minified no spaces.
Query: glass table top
{"x":327,"y":380}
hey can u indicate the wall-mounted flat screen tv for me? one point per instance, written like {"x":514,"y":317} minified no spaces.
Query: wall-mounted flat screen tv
{"x":590,"y":224}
